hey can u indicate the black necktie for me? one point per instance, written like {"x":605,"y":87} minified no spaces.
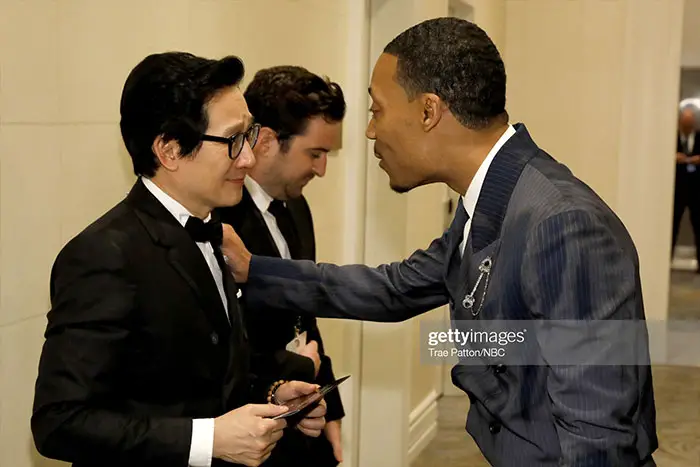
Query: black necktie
{"x":286,"y":226}
{"x":203,"y":232}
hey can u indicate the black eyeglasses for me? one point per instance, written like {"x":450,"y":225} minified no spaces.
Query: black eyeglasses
{"x":236,"y":142}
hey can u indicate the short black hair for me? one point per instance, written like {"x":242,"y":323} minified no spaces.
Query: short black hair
{"x":284,"y":98}
{"x":167,"y":94}
{"x":457,"y":61}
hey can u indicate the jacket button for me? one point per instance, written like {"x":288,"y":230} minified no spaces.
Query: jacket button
{"x":500,"y":368}
{"x":494,"y":428}
{"x":214,"y":338}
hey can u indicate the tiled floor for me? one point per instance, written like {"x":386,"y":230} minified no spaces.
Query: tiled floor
{"x":677,"y":391}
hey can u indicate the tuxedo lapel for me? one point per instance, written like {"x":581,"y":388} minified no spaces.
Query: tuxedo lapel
{"x":182,"y":253}
{"x":301,"y":216}
{"x":254,"y":228}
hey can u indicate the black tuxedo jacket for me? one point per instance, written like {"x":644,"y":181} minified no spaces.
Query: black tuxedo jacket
{"x":270,"y":331}
{"x":694,"y":151}
{"x":137,"y":343}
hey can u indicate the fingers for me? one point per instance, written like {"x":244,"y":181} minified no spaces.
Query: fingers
{"x":318,"y":411}
{"x":300,"y":388}
{"x":338,"y":452}
{"x":229,"y":232}
{"x":276,"y":425}
{"x":266,"y":410}
{"x":312,"y":426}
{"x":276,"y":436}
{"x":314,"y":422}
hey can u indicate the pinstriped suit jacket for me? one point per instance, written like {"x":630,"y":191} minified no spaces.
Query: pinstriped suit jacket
{"x":559,"y":253}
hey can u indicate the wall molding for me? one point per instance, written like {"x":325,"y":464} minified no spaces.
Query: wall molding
{"x":422,"y":425}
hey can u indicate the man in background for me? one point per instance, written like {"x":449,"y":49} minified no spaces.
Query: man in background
{"x":146,"y":360}
{"x":687,"y":186}
{"x":300,"y":115}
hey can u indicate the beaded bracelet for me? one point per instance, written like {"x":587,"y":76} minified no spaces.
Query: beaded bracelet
{"x":271,"y":392}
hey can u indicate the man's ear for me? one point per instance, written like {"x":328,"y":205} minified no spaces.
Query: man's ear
{"x":267,"y":144}
{"x":433,"y":108}
{"x":167,"y":153}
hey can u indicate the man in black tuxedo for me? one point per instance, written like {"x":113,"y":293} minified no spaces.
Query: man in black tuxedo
{"x":300,"y":114}
{"x":687,"y":187}
{"x":146,"y":359}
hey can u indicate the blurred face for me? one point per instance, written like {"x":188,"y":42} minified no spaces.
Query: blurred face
{"x":284,"y":174}
{"x":396,"y":126}
{"x":209,"y":178}
{"x":687,"y":122}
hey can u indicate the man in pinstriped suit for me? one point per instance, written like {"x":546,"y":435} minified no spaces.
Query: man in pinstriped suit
{"x":548,"y":248}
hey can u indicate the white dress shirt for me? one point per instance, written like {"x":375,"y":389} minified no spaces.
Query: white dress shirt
{"x":472,"y":195}
{"x":688,"y":142}
{"x":202,"y":445}
{"x":262,"y":201}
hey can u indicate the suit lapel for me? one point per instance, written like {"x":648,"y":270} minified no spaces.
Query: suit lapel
{"x":253,"y":226}
{"x":500,"y":181}
{"x":301,"y":216}
{"x":469,"y":282}
{"x":182,"y":252}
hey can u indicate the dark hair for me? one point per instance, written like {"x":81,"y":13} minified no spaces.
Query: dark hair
{"x":167,"y":94}
{"x":284,"y":98}
{"x":457,"y":61}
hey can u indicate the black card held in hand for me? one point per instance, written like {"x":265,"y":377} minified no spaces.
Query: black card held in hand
{"x":301,"y":406}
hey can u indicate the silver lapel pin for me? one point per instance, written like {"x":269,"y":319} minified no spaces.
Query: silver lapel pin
{"x":484,"y":273}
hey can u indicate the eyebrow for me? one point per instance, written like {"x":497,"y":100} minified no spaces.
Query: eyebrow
{"x":238,"y":127}
{"x":320,"y":149}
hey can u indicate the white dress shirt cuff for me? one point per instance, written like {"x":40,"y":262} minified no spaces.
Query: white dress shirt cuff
{"x":202,"y":446}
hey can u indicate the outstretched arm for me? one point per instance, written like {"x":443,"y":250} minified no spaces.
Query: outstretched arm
{"x":388,"y":293}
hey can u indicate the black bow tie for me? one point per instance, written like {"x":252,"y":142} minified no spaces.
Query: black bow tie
{"x":202,"y":232}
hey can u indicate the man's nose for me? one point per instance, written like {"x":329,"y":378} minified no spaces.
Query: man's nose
{"x":320,"y":165}
{"x":246,"y":159}
{"x":369,"y":132}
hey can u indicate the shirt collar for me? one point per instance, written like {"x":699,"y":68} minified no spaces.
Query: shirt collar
{"x":176,"y":209}
{"x":472,"y":195}
{"x":260,"y":197}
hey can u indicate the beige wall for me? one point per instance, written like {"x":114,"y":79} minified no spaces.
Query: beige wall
{"x":690,"y":50}
{"x":490,"y":15}
{"x":62,"y":162}
{"x":596,"y":83}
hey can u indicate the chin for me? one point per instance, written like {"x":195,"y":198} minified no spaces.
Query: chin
{"x":400,"y":188}
{"x":231,"y":198}
{"x":294,"y":194}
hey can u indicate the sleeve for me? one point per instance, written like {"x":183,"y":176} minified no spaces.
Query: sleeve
{"x":202,"y":447}
{"x":76,"y":416}
{"x":388,"y":293}
{"x":577,"y":270}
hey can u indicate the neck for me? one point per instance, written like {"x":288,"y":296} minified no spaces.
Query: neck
{"x":259,"y":177}
{"x":171,"y":189}
{"x":465,"y":154}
